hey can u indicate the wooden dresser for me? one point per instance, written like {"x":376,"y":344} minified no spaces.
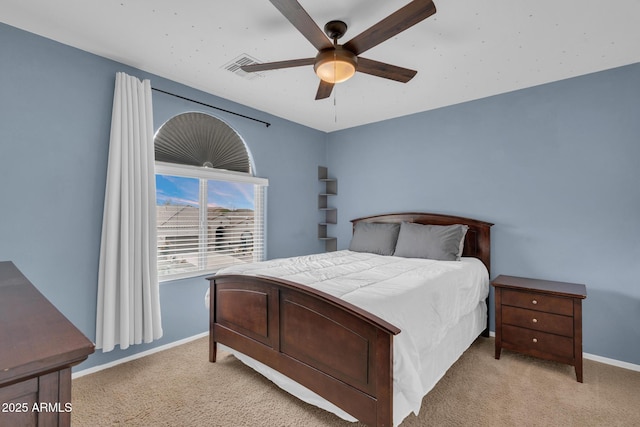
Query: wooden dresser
{"x":38,"y":347}
{"x":540,"y":318}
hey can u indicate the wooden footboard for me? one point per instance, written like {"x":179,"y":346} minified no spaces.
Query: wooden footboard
{"x":335,"y":349}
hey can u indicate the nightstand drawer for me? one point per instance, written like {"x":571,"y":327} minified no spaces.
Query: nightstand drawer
{"x":538,"y":320}
{"x":527,"y":339}
{"x":537,"y":301}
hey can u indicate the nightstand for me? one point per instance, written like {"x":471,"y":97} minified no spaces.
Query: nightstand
{"x":540,"y":318}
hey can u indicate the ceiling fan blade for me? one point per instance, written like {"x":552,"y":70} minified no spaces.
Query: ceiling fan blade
{"x":387,"y":71}
{"x":293,"y":11}
{"x":276,"y":65}
{"x":324,"y":90}
{"x":397,"y":22}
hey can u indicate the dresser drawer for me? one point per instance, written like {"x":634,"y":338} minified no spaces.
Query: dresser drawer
{"x":17,"y":404}
{"x":538,"y":301}
{"x":527,"y":339}
{"x":538,"y":320}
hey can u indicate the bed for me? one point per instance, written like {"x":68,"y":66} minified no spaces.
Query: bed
{"x":293,"y":322}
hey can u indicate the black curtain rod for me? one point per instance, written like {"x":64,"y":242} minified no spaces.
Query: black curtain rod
{"x":267,"y":124}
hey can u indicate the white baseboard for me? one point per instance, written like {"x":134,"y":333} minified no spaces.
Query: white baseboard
{"x":98,"y":368}
{"x":596,"y":358}
{"x":605,"y":360}
{"x":614,"y":362}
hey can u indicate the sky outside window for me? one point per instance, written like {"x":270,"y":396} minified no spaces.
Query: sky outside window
{"x":177,"y":190}
{"x":181,"y":191}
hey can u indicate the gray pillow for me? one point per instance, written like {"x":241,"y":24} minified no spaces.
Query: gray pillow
{"x":439,"y":242}
{"x":375,"y":237}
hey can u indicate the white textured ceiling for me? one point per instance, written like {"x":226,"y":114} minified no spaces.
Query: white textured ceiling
{"x":469,"y":49}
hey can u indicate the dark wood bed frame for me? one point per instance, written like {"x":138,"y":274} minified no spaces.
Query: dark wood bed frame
{"x":339,"y":351}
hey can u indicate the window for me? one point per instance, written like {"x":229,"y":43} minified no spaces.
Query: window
{"x":208,"y":218}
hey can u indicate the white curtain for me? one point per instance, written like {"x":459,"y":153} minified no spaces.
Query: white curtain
{"x":128,"y":309}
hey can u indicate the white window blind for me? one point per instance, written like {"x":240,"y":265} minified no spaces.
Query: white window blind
{"x":207,"y":219}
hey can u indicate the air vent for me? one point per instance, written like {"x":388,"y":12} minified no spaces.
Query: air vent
{"x":244,"y":59}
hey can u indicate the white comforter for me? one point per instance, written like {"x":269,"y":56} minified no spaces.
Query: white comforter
{"x":424,"y":298}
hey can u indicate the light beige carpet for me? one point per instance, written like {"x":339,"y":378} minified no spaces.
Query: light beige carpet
{"x":179,"y":387}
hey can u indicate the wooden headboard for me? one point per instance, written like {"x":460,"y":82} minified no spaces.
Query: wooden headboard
{"x":477,"y":242}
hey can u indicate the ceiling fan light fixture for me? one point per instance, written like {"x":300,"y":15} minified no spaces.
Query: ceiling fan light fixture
{"x":335,"y":65}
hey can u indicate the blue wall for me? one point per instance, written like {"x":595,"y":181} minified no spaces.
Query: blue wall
{"x":55,"y":117}
{"x":556,"y":168}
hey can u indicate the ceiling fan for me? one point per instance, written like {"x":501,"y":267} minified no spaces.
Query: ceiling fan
{"x":336,"y":63}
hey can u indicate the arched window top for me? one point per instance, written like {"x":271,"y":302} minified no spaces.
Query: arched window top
{"x":198,"y":139}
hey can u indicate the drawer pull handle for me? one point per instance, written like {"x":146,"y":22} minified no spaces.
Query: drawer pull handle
{"x":534,"y":302}
{"x":535,"y":320}
{"x":535,"y":340}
